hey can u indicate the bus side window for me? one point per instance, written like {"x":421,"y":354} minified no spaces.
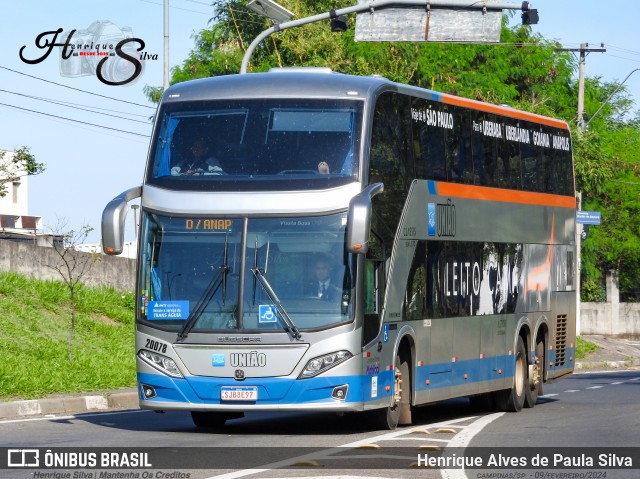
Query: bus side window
{"x":415,"y":292}
{"x":458,"y":148}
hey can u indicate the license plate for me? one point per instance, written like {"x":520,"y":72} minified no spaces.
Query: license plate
{"x":239,"y":393}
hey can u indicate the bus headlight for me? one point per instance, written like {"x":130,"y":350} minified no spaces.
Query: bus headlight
{"x":161,"y":363}
{"x":320,"y":364}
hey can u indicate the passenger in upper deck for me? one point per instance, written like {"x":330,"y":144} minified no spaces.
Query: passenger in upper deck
{"x":196,"y":161}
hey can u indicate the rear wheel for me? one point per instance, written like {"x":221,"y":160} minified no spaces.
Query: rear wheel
{"x":534,"y":386}
{"x":513,"y":399}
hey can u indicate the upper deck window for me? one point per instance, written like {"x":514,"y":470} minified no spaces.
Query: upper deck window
{"x":256,"y":144}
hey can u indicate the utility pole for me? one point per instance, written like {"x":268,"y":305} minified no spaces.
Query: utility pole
{"x":165,"y":80}
{"x":583,"y":50}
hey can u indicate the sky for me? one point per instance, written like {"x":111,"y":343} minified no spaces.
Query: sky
{"x":90,"y":158}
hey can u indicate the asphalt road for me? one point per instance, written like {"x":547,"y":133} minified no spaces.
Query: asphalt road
{"x":594,"y":410}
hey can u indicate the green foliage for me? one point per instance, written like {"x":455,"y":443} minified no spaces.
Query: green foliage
{"x":584,"y":347}
{"x":23,"y":163}
{"x":525,"y":71}
{"x":33,"y":358}
{"x":592,"y":291}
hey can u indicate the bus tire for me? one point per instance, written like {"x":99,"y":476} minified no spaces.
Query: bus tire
{"x":389,"y":417}
{"x":405,"y":396}
{"x":512,"y":400}
{"x":534,"y":388}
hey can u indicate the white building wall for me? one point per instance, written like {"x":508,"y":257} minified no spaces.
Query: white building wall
{"x":16,"y":201}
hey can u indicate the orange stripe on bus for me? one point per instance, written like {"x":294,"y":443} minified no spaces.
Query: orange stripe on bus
{"x":522,"y":115}
{"x":505,"y":196}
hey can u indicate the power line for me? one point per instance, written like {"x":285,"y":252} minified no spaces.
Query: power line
{"x":74,"y":106}
{"x":74,"y":121}
{"x":622,"y":49}
{"x":177,"y":8}
{"x":78,"y":89}
{"x":623,"y":58}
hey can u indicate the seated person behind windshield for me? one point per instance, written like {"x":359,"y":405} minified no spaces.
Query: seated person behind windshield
{"x":198,"y":161}
{"x":321,"y":286}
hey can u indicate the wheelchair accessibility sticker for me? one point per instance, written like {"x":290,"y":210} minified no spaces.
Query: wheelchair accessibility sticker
{"x":385,"y":334}
{"x":267,"y":313}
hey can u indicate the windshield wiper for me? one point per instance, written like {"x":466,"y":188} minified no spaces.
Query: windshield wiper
{"x":210,"y":291}
{"x":225,"y":269}
{"x":202,"y":303}
{"x":290,"y":326}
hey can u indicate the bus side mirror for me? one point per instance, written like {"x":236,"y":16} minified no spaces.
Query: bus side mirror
{"x":113,"y":218}
{"x":359,"y":219}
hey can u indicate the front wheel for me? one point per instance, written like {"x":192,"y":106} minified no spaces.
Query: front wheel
{"x":399,"y":412}
{"x":512,"y":400}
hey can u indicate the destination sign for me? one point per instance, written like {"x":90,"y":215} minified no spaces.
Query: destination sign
{"x":207,"y":224}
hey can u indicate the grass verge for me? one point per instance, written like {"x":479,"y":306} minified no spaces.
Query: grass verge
{"x":584,"y":347}
{"x":35,"y":318}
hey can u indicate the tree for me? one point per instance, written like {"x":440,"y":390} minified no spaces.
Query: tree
{"x":22,"y":163}
{"x":72,"y":266}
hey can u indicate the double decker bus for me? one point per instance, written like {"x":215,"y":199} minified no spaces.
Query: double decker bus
{"x":443,"y":227}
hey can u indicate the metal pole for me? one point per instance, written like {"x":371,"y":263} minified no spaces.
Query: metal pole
{"x":165,"y":82}
{"x":376,"y":5}
{"x":610,"y":97}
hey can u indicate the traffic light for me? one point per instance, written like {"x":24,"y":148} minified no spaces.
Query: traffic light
{"x":529,"y":15}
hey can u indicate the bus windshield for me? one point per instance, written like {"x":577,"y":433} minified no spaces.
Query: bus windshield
{"x":297,"y":274}
{"x":255,"y":140}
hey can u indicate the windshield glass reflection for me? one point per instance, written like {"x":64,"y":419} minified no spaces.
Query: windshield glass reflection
{"x":256,"y":139}
{"x":297,"y":275}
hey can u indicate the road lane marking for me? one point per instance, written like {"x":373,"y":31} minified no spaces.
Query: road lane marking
{"x":463,"y":438}
{"x":388,"y":436}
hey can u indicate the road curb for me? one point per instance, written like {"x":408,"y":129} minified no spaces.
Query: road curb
{"x":119,"y":400}
{"x":594,"y":365}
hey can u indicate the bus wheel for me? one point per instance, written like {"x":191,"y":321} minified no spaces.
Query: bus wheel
{"x":512,"y":399}
{"x":389,"y":417}
{"x":534,"y":387}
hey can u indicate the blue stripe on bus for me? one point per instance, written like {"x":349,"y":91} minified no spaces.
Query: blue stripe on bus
{"x":271,"y":391}
{"x":432,"y":187}
{"x":283,"y":391}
